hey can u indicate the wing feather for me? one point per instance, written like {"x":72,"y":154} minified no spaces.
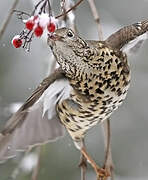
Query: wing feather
{"x":36,"y":122}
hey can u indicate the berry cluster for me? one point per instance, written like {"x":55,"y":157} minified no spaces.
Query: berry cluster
{"x":39,"y":22}
{"x":40,"y":19}
{"x":35,"y":25}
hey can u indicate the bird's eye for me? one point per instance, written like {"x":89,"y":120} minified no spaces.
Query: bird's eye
{"x":70,"y":34}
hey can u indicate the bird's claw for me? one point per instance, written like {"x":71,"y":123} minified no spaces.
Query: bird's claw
{"x":102,"y":174}
{"x":110,"y":169}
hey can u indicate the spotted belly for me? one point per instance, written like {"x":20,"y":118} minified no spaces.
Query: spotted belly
{"x":78,"y":116}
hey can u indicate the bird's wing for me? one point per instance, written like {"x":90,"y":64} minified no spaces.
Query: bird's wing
{"x":135,"y":45}
{"x":128,"y":35}
{"x":36,"y":122}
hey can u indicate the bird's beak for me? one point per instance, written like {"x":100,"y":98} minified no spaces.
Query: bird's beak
{"x":54,"y":37}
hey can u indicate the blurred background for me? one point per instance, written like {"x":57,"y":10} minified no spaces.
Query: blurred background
{"x":21,"y":72}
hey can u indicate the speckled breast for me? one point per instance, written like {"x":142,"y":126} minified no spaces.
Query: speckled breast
{"x":96,"y":95}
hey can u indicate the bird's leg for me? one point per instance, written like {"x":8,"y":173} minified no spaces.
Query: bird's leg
{"x":83,"y":164}
{"x":108,"y":164}
{"x":102,"y":174}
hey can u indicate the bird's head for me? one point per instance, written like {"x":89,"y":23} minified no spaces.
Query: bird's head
{"x":66,"y":39}
{"x":70,"y":50}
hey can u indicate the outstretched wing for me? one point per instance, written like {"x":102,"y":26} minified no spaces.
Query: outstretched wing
{"x":135,"y":45}
{"x":36,"y":122}
{"x":128,"y":35}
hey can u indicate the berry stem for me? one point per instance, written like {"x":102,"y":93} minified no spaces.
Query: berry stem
{"x":27,"y":43}
{"x":42,"y":9}
{"x":37,"y":7}
{"x":49,"y":8}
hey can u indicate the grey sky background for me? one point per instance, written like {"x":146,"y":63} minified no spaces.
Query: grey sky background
{"x":21,"y":72}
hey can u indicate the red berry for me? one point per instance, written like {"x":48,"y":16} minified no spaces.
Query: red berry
{"x":38,"y":31}
{"x":17,"y":42}
{"x":51,"y":27}
{"x":30,"y":24}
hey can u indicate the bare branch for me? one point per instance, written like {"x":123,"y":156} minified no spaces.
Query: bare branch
{"x":4,"y":26}
{"x":108,"y":163}
{"x":70,"y":17}
{"x":63,"y":14}
{"x":36,"y":6}
{"x":96,"y":17}
{"x":21,"y":13}
{"x":37,"y":167}
{"x":83,"y":164}
{"x":106,"y":124}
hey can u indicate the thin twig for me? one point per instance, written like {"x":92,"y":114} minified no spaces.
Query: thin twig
{"x":42,"y":8}
{"x":36,"y":6}
{"x":71,"y":17}
{"x":21,"y":12}
{"x":106,"y":124}
{"x":63,"y":14}
{"x":96,"y":17}
{"x":49,"y":8}
{"x":35,"y":172}
{"x":37,"y":167}
{"x":4,"y":26}
{"x":83,"y":164}
{"x":68,"y":4}
{"x":108,"y":163}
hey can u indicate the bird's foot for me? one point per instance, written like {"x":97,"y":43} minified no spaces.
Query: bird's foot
{"x":110,"y":169}
{"x":102,"y":174}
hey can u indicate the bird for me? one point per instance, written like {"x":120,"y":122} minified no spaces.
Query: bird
{"x":91,"y":82}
